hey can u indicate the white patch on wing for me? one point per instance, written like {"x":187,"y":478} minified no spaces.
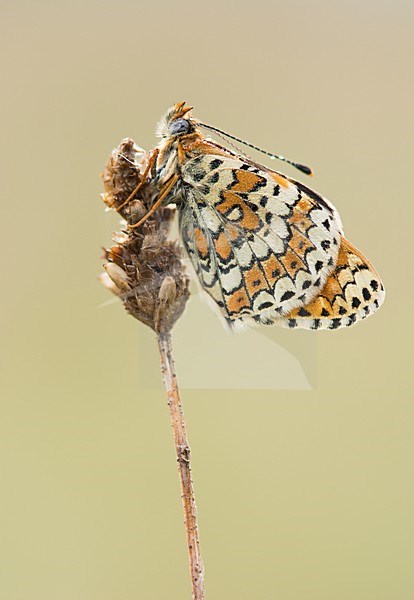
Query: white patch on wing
{"x":262,"y":298}
{"x":211,"y":219}
{"x":235,"y":214}
{"x":259,"y":247}
{"x":231,"y":280}
{"x":244,"y":255}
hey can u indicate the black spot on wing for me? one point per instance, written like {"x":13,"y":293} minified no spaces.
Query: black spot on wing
{"x":366,"y":293}
{"x":216,"y":163}
{"x":264,"y":305}
{"x":199,"y":175}
{"x":214,"y":178}
{"x":287,"y":295}
{"x":355,"y":302}
{"x":335,"y":323}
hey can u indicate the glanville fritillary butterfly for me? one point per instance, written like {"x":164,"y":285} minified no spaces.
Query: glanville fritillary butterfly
{"x":266,"y":248}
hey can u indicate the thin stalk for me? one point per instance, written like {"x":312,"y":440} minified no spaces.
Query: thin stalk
{"x":182,"y":450}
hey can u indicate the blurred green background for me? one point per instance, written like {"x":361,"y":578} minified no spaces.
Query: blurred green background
{"x":305,"y":488}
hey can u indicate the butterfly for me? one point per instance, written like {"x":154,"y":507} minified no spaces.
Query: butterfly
{"x":265,"y":247}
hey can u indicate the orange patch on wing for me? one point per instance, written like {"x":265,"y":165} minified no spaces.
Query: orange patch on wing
{"x":246,"y":181}
{"x":342,"y":259}
{"x":299,"y":242}
{"x":232,"y":232}
{"x":237,"y":301}
{"x":318,"y":308}
{"x":300,"y":221}
{"x":338,"y":303}
{"x":324,"y":306}
{"x":349,"y":256}
{"x":254,"y":280}
{"x":222,"y":246}
{"x":273,"y":269}
{"x":305,"y":205}
{"x":292,"y":263}
{"x":280,"y":179}
{"x":248,"y":220}
{"x":201,"y":242}
{"x":332,"y":288}
{"x":331,"y":303}
{"x":194,"y":145}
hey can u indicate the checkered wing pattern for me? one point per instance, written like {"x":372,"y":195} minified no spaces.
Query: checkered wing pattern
{"x":352,"y":292}
{"x":262,"y":244}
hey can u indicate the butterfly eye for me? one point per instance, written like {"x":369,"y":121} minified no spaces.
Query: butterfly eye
{"x":179,"y":126}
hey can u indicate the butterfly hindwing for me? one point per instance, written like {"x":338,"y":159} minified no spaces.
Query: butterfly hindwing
{"x":352,"y":292}
{"x":197,"y":237}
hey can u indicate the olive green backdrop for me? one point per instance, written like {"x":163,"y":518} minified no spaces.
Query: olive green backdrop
{"x":302,"y":443}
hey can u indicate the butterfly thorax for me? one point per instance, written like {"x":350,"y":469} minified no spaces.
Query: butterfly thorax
{"x":179,"y":156}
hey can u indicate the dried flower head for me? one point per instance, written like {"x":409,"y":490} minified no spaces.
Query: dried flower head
{"x":143,"y":267}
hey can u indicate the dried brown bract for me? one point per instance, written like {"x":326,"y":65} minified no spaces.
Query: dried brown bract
{"x":143,"y":267}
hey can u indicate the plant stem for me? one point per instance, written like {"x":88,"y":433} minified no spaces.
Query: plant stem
{"x":182,"y":450}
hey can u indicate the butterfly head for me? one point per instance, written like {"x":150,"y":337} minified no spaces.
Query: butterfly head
{"x":176,"y":122}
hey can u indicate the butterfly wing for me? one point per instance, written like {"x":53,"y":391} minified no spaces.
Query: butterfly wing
{"x":197,"y":236}
{"x":352,"y":292}
{"x":256,"y":234}
{"x":231,"y":267}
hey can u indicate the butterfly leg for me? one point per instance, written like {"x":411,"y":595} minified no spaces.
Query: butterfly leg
{"x":151,"y":163}
{"x":163,"y":194}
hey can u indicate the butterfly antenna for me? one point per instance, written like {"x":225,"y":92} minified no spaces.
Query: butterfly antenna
{"x":297,"y":165}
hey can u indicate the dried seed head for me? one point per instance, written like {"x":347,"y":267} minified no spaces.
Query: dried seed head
{"x":143,"y":268}
{"x":167,"y":291}
{"x":166,"y":300}
{"x":122,"y":172}
{"x":118,"y":276}
{"x":109,"y":284}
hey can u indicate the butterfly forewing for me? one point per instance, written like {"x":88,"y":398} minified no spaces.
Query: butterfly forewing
{"x":273,"y":245}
